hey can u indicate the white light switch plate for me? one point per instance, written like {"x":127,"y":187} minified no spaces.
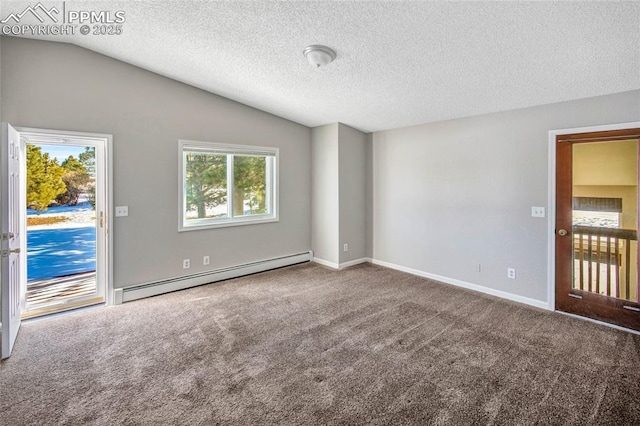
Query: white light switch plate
{"x":537,"y":211}
{"x":122,"y":211}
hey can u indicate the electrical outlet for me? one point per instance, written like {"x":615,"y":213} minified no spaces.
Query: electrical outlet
{"x":346,"y":247}
{"x":511,"y":273}
{"x":206,"y":260}
{"x":537,"y":211}
{"x":122,"y":211}
{"x":186,"y":264}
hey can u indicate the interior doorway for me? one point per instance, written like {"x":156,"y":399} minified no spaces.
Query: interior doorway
{"x":596,"y":250}
{"x":64,"y":219}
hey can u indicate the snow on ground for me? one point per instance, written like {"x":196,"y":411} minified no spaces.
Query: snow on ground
{"x":75,"y":219}
{"x":63,"y":248}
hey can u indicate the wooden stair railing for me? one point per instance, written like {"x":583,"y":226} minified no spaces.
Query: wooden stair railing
{"x":588,"y":247}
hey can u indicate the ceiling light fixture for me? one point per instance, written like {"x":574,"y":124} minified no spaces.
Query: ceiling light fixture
{"x":318,"y":55}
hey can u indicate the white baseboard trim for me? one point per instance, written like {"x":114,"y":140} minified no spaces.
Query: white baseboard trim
{"x":341,"y":265}
{"x":326,"y":263}
{"x":354,"y":262}
{"x":140,"y":291}
{"x":467,"y":285}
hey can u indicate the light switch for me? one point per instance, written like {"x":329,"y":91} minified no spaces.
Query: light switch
{"x":122,"y":211}
{"x":537,"y":211}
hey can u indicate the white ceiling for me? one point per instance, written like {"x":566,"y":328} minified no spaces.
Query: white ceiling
{"x":398,"y":64}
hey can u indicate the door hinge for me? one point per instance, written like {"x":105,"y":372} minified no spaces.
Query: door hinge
{"x":8,"y":236}
{"x":6,"y":253}
{"x":101,"y":219}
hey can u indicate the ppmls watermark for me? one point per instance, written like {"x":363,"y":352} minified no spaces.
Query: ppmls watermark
{"x":39,"y":20}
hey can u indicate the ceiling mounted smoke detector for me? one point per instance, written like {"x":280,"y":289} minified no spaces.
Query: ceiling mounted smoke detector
{"x":319,"y":55}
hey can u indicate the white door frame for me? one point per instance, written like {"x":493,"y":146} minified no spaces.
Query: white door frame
{"x":107,"y":166}
{"x":551,"y":234}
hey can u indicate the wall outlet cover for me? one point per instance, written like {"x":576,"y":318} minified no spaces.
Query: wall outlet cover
{"x":537,"y":212}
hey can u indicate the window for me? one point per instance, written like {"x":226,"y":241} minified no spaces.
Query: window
{"x":226,"y":185}
{"x":598,"y":212}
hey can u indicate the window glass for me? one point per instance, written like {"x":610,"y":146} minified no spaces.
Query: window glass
{"x":249,"y":185}
{"x":206,"y":185}
{"x":227,"y":185}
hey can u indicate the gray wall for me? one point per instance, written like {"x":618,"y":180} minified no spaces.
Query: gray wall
{"x":61,"y":86}
{"x":353,"y":207}
{"x":369,"y":196}
{"x":450,"y":195}
{"x":439,"y":198}
{"x":325,"y":193}
{"x":1,"y":120}
{"x":339,"y":209}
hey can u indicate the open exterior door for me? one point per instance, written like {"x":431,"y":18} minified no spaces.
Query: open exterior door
{"x":11,"y":250}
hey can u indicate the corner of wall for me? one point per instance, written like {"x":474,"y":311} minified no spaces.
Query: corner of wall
{"x":340,"y":194}
{"x":353,"y":195}
{"x":369,"y":195}
{"x":325,"y":193}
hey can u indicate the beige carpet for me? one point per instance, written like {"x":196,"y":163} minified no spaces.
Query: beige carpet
{"x":308,"y":345}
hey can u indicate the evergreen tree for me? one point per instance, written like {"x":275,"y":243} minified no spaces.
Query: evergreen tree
{"x":249,"y":184}
{"x":76,"y":178}
{"x":206,"y":181}
{"x":88,"y":159}
{"x":44,"y":178}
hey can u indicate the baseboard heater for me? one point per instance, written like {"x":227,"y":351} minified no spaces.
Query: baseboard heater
{"x":140,"y":291}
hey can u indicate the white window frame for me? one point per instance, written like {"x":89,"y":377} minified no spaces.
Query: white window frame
{"x":272,"y":177}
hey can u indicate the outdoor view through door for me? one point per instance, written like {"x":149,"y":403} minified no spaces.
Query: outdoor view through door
{"x":63,"y":222}
{"x":597,"y":224}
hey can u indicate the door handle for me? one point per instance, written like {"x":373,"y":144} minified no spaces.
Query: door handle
{"x":562,"y":232}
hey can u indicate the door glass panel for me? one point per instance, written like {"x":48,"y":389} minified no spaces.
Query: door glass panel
{"x":605,"y":218}
{"x":61,"y":224}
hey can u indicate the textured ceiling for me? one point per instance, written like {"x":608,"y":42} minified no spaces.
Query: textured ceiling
{"x":398,"y":64}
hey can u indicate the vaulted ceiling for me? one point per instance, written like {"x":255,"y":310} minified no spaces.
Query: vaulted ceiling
{"x":398,"y":64}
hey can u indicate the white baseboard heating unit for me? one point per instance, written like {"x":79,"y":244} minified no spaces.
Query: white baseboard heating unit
{"x":140,"y":291}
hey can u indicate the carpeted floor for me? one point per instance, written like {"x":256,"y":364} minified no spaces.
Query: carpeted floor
{"x":309,"y":345}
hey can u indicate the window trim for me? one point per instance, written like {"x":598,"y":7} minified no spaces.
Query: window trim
{"x":272,"y":185}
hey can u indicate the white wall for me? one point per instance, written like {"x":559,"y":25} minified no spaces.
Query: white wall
{"x":325,"y":203}
{"x":353,"y":186}
{"x":61,"y":86}
{"x":450,"y":195}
